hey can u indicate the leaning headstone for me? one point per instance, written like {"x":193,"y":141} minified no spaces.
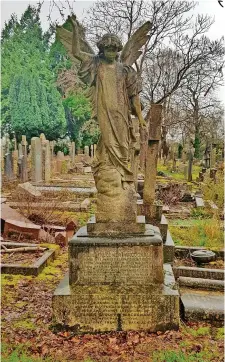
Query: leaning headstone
{"x":28,"y":189}
{"x":36,"y":160}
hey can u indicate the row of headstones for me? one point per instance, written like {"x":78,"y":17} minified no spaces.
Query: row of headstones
{"x":41,"y":158}
{"x":14,"y":163}
{"x":209,"y":158}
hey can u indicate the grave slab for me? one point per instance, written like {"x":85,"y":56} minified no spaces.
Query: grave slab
{"x":207,"y":307}
{"x":200,"y":283}
{"x":195,"y":272}
{"x":34,"y":269}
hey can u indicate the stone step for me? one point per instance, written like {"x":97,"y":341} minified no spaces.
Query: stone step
{"x":200,"y":283}
{"x":195,"y":272}
{"x":197,"y":306}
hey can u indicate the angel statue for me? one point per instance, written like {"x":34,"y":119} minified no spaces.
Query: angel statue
{"x":114,"y":88}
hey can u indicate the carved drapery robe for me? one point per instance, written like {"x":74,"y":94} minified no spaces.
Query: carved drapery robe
{"x":111,"y":88}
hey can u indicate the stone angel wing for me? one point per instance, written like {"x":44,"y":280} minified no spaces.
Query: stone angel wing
{"x":131,"y":50}
{"x":65,"y":37}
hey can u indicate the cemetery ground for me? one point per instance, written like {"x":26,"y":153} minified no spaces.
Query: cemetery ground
{"x":28,"y":331}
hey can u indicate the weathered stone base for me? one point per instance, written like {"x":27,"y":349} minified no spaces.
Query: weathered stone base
{"x":116,"y":228}
{"x":101,"y":308}
{"x":168,"y":249}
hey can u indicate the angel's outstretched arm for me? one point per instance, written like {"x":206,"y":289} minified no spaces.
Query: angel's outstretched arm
{"x":137,"y":107}
{"x":76,"y":51}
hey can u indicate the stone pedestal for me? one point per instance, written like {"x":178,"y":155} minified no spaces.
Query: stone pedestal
{"x":121,"y":228}
{"x":117,"y":284}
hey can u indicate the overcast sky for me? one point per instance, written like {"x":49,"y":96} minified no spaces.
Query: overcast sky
{"x":210,"y":7}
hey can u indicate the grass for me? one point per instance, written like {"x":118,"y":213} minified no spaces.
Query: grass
{"x":205,"y":233}
{"x":214,"y":191}
{"x":179,"y":356}
{"x":178,"y":175}
{"x":24,"y":324}
{"x":21,"y":354}
{"x":54,"y":268}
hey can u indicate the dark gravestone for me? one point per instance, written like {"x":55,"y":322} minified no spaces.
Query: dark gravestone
{"x":8,"y":166}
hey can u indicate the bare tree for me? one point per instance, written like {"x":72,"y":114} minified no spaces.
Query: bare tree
{"x":123,"y":17}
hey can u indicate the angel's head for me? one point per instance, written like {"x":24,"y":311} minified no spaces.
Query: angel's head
{"x":109,"y":46}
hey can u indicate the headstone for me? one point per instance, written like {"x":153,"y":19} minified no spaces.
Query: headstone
{"x":151,"y":158}
{"x":42,"y":137}
{"x":92,"y":150}
{"x":28,"y":189}
{"x":7,"y":143}
{"x":213,"y":156}
{"x":212,"y":174}
{"x":61,"y":238}
{"x":85,"y":205}
{"x":2,"y":153}
{"x":52,"y":145}
{"x":15,"y":157}
{"x":8,"y":164}
{"x":116,"y":261}
{"x":207,"y":157}
{"x":15,"y":143}
{"x":95,"y":146}
{"x":72,"y":152}
{"x":36,"y":160}
{"x":20,"y":150}
{"x":201,"y":177}
{"x":184,"y":154}
{"x":46,"y":159}
{"x":29,"y":230}
{"x":59,"y":161}
{"x":86,"y":150}
{"x":143,"y":148}
{"x":24,"y":149}
{"x":190,"y":163}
